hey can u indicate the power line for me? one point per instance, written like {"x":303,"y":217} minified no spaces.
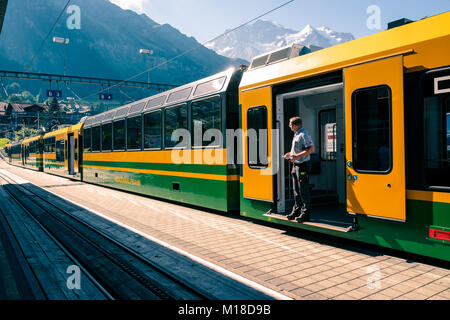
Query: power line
{"x":48,"y":34}
{"x":195,"y":48}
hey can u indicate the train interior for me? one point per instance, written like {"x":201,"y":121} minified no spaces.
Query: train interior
{"x":322,"y":112}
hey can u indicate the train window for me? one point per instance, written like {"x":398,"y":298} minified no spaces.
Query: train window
{"x":209,"y":87}
{"x":76,"y":150}
{"x":107,"y":137}
{"x":257,"y":140}
{"x":182,"y":94}
{"x":153,"y":130}
{"x":87,"y":140}
{"x":96,"y":138}
{"x":155,"y":102}
{"x":119,"y":135}
{"x":175,"y":118}
{"x":328,"y":148}
{"x":436,"y":125}
{"x":134,"y":133}
{"x":206,"y":114}
{"x":372,"y":146}
{"x":60,"y":151}
{"x":49,"y":145}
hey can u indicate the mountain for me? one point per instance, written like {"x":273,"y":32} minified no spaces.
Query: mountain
{"x":107,"y":45}
{"x":264,"y":36}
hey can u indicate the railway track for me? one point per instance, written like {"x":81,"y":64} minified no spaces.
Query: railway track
{"x":117,"y":270}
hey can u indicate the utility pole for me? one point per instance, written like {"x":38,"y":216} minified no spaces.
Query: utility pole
{"x":147,"y":52}
{"x":64,"y":41}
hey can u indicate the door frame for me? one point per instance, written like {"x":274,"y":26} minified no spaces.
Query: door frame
{"x":279,"y":120}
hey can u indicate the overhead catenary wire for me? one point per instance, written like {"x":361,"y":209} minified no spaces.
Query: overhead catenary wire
{"x":193,"y":49}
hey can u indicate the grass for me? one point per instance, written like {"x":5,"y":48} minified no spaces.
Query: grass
{"x":3,"y":142}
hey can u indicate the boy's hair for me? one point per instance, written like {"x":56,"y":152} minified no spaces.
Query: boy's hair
{"x":296,"y":121}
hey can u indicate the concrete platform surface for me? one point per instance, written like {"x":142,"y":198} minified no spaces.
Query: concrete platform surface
{"x":293,"y":265}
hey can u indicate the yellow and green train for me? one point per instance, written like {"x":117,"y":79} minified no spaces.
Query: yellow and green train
{"x":377,"y":109}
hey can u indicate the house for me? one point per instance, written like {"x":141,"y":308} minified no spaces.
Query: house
{"x":20,"y":113}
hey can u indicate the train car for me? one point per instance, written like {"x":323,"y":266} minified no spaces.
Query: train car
{"x":8,"y":152}
{"x":61,"y":154}
{"x":15,"y":153}
{"x":33,"y":157}
{"x":377,"y":109}
{"x":131,"y":147}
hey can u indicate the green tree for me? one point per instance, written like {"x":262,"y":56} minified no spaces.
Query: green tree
{"x":23,"y":133}
{"x":53,"y":106}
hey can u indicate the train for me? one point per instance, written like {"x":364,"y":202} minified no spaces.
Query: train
{"x":377,"y":109}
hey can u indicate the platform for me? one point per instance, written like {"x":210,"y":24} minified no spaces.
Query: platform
{"x":295,"y":265}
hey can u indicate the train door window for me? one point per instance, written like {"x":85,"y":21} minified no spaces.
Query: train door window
{"x":206,"y":114}
{"x":257,"y":140}
{"x":175,"y":118}
{"x":153,"y":130}
{"x":75,"y":150}
{"x":96,"y":138}
{"x":60,"y":151}
{"x":134,"y":133}
{"x":106,"y":137}
{"x":87,"y":140}
{"x":49,"y":145}
{"x":437,"y":130}
{"x":327,"y":122}
{"x":371,"y":123}
{"x":119,"y":135}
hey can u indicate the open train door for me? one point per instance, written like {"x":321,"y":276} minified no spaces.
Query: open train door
{"x":71,"y":155}
{"x":375,"y":139}
{"x":259,"y":165}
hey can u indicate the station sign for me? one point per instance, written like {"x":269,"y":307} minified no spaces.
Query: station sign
{"x":105,"y":96}
{"x":54,"y":94}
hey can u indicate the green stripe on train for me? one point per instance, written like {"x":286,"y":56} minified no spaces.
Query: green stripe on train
{"x":214,"y":194}
{"x":192,"y":168}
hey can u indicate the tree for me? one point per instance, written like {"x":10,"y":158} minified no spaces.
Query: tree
{"x":53,"y":106}
{"x":23,"y":133}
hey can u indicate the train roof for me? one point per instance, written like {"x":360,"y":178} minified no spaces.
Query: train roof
{"x":33,"y":138}
{"x":401,"y":40}
{"x":214,"y":84}
{"x":56,"y":132}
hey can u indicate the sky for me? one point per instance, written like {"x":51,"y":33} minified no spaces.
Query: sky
{"x":206,"y":19}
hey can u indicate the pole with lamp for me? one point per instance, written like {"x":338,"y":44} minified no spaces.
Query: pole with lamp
{"x":62,"y":41}
{"x":147,"y":52}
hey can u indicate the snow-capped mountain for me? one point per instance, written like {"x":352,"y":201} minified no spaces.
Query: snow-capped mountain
{"x":264,"y":36}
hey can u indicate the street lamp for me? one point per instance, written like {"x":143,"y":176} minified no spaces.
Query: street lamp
{"x":62,"y":41}
{"x":148,"y":53}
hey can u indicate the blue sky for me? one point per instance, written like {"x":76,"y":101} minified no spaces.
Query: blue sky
{"x":206,"y":19}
